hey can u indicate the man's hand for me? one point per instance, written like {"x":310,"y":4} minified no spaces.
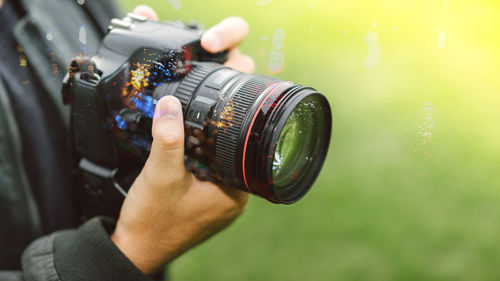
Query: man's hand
{"x":167,"y":210}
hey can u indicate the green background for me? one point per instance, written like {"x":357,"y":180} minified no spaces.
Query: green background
{"x":411,"y":186}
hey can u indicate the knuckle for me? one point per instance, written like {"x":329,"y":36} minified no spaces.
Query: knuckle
{"x":239,"y":21}
{"x":146,"y":11}
{"x":241,"y":63}
{"x":169,"y":139}
{"x":250,"y":64}
{"x":236,"y":211}
{"x":154,"y":180}
{"x":238,"y":204}
{"x":178,"y":180}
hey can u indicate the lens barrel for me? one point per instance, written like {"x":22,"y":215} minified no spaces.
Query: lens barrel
{"x":260,"y":134}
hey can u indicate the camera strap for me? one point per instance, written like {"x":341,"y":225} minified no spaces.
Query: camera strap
{"x":101,"y":192}
{"x":99,"y":175}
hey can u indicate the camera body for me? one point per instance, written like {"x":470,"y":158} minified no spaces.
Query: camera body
{"x":113,"y":96}
{"x":135,"y":57}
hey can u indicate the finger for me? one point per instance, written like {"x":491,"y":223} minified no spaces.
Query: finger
{"x":225,"y":35}
{"x":145,"y":10}
{"x":238,"y":196}
{"x":240,"y":62}
{"x":166,"y":158}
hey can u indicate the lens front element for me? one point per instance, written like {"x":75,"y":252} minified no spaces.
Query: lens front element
{"x":288,"y":148}
{"x":299,"y":146}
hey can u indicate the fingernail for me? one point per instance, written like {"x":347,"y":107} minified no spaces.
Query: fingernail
{"x":170,"y":108}
{"x":211,"y":39}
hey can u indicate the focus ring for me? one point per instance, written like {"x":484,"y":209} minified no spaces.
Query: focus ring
{"x":230,"y":122}
{"x":192,"y":80}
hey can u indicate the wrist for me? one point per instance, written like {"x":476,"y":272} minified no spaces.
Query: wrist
{"x":139,"y":249}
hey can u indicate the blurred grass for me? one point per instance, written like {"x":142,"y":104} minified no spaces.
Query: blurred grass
{"x":392,"y":202}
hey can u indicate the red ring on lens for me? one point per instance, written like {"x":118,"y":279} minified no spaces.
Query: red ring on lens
{"x":271,"y":91}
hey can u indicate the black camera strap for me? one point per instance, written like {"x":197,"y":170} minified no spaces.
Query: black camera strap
{"x":100,"y":174}
{"x":101,"y":192}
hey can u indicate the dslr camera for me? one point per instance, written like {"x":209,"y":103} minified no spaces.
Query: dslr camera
{"x":260,"y":134}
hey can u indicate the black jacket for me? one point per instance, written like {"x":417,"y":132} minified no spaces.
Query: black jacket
{"x":84,"y":253}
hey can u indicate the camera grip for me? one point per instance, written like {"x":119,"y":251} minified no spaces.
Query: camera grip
{"x":220,"y":57}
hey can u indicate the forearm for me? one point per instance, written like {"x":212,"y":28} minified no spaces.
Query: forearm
{"x":86,"y":253}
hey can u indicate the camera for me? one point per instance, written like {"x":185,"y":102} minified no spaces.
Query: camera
{"x":260,"y":134}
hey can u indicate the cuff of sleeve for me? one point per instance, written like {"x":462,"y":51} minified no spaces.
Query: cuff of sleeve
{"x":89,"y":254}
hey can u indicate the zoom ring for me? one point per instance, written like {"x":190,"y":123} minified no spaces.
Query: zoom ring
{"x":192,"y":80}
{"x":228,"y":159}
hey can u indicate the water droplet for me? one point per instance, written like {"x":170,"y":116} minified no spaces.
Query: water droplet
{"x":176,"y":4}
{"x":263,"y":3}
{"x":373,"y":57}
{"x":441,"y":39}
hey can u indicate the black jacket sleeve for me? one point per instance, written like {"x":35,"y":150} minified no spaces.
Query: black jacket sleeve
{"x":86,"y":253}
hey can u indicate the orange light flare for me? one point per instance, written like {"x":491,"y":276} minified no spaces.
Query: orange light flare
{"x":226,"y":116}
{"x":137,"y":83}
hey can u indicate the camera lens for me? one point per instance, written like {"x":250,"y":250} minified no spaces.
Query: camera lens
{"x":263,"y":135}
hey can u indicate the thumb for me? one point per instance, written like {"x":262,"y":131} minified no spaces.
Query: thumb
{"x":166,"y":159}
